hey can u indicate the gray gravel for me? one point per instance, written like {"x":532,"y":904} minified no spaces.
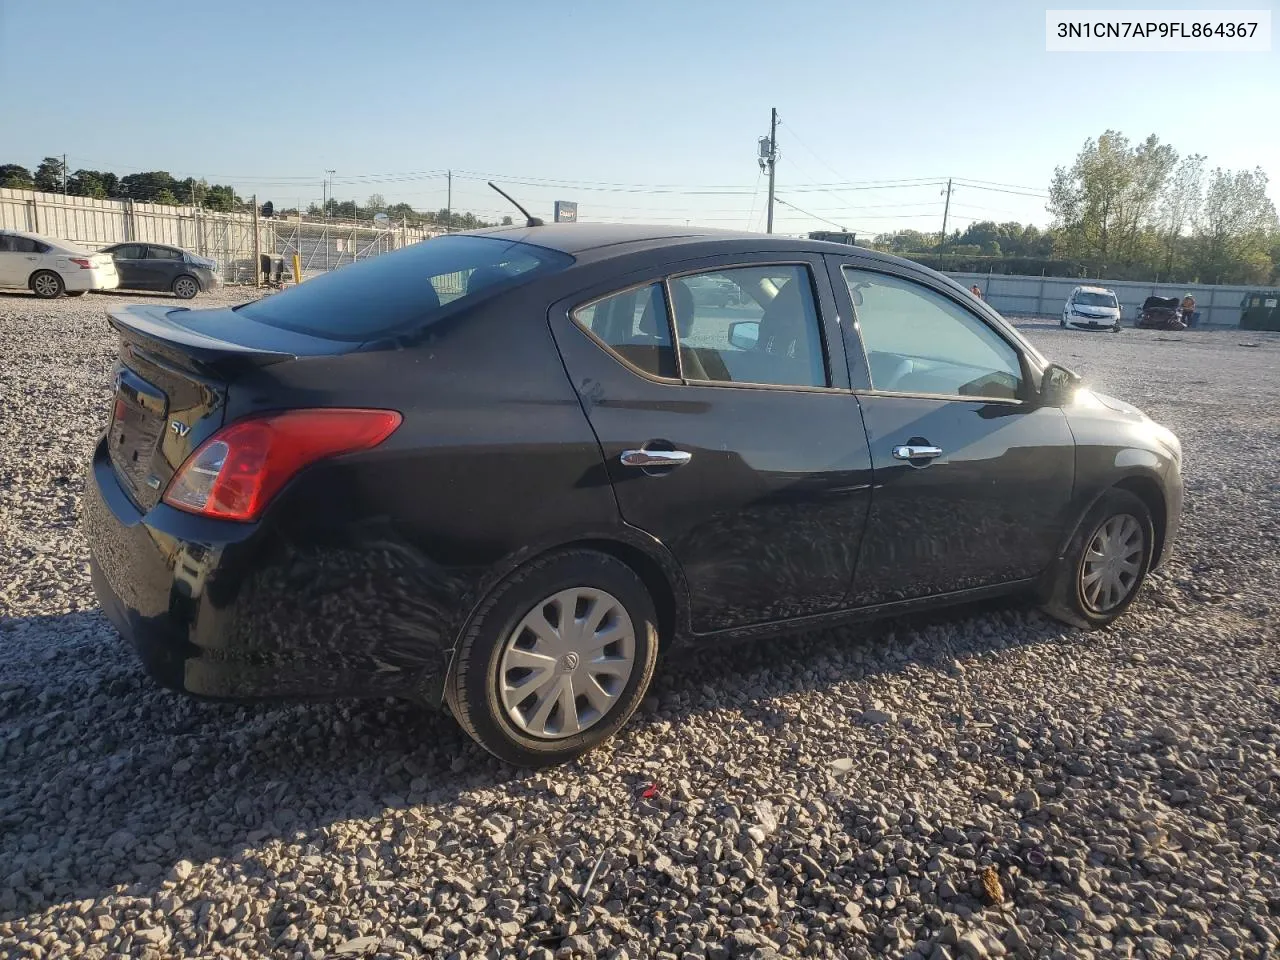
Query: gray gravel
{"x":980,"y":784}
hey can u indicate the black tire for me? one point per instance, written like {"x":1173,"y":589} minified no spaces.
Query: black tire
{"x":472,"y":687}
{"x":1065,"y":597}
{"x":185,"y":287}
{"x":47,"y":285}
{"x":76,"y":293}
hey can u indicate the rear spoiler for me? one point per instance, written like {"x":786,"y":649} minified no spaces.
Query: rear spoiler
{"x":154,"y":324}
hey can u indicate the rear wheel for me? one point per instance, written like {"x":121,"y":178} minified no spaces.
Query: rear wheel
{"x":47,"y":285}
{"x":1105,"y":564}
{"x":185,"y":287}
{"x":557,"y":659}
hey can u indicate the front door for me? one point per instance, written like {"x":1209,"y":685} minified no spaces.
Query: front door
{"x":973,"y":477}
{"x":161,"y":267}
{"x":728,"y":433}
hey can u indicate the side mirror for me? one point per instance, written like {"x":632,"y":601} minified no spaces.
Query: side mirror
{"x":744,"y":334}
{"x":1058,"y":384}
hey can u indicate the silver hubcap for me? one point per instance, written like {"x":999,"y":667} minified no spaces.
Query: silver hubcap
{"x":567,"y":662}
{"x":46,"y":286}
{"x":1112,"y":563}
{"x":186,"y":289}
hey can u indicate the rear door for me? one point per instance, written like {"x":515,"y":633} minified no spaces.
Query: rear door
{"x":728,"y":429}
{"x":130,"y":261}
{"x":973,"y":477}
{"x":13,"y":272}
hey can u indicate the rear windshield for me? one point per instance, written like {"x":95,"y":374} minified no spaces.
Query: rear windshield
{"x":386,"y":293}
{"x":1087,"y":298}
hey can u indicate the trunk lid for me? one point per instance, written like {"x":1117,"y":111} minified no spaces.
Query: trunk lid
{"x":172,"y":379}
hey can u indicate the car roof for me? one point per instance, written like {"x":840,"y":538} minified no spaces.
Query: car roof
{"x":69,"y":245}
{"x":603,"y":241}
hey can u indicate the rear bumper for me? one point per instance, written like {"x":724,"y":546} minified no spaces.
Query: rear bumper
{"x":93,"y":279}
{"x":227,"y":611}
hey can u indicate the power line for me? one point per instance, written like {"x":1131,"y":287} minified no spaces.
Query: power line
{"x":808,"y":214}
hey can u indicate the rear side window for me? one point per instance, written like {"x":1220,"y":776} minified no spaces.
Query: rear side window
{"x":634,"y":325}
{"x":387,"y":293}
{"x":756,"y":325}
{"x":131,"y":251}
{"x":24,"y":245}
{"x":163,"y":253}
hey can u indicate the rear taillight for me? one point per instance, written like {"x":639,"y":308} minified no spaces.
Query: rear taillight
{"x":81,"y":262}
{"x":236,"y":472}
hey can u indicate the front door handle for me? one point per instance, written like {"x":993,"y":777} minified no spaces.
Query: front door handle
{"x":655,"y":458}
{"x":914,"y":452}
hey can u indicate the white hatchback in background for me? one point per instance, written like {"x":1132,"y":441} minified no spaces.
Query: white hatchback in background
{"x":49,"y":268}
{"x":1092,"y":308}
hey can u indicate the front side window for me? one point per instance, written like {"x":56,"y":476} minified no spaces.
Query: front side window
{"x":919,"y":341}
{"x":634,"y":325}
{"x":385,"y":294}
{"x":756,"y":325}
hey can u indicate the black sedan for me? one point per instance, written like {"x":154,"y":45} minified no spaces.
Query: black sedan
{"x":503,"y":470}
{"x":154,"y":266}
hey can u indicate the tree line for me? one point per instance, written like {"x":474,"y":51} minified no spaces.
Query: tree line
{"x":158,"y":186}
{"x":1126,"y":211}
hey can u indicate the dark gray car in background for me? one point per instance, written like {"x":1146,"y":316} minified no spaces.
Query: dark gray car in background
{"x":155,"y":266}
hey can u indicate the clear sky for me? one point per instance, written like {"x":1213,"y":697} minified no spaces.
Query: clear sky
{"x":664,"y":100}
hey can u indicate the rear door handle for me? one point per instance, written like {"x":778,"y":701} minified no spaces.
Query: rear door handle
{"x":655,"y":458}
{"x":913,"y":452}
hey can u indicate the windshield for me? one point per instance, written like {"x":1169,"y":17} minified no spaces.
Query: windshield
{"x":384,"y":294}
{"x":1087,"y":298}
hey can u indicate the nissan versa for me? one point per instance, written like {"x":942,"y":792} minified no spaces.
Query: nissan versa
{"x":502,"y":470}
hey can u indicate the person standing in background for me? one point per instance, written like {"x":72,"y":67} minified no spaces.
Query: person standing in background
{"x":1189,"y":316}
{"x":976,"y":291}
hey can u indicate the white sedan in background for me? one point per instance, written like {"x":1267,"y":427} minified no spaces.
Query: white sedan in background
{"x":49,"y":268}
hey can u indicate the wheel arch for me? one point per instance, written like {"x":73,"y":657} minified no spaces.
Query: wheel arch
{"x":31,"y":280}
{"x":1146,"y":488}
{"x":644,"y":555}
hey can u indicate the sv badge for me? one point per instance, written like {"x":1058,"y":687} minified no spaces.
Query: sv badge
{"x":179,"y":428}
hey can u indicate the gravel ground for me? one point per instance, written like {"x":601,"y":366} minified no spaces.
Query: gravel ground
{"x":980,"y":784}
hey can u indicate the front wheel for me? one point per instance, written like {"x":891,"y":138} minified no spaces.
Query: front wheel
{"x":185,"y":288}
{"x":47,"y":285}
{"x":1105,"y":563}
{"x":557,"y":659}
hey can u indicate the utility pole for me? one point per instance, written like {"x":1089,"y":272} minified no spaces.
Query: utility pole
{"x":257,"y":246}
{"x":64,"y":176}
{"x":448,"y":205}
{"x":772,"y":160}
{"x":324,"y":227}
{"x":945,"y":210}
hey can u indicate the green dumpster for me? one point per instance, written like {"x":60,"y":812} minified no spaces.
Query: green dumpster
{"x":1260,"y":310}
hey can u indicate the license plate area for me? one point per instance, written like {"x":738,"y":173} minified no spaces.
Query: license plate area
{"x":137,"y":425}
